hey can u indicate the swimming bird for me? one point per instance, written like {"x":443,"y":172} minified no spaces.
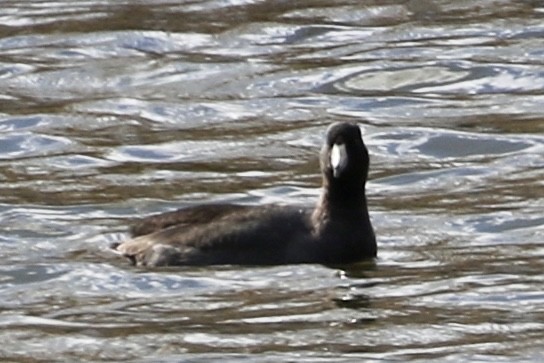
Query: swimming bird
{"x":336,"y":231}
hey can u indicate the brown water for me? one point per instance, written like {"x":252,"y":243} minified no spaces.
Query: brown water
{"x":116,"y":109}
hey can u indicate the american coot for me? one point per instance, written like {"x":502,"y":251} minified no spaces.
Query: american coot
{"x":336,"y":231}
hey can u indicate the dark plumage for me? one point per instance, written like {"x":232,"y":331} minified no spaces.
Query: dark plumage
{"x":336,"y":231}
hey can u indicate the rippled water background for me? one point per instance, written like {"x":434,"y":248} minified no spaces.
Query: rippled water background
{"x":115,"y":109}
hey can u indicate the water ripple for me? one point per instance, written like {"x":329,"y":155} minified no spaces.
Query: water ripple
{"x":111,"y":111}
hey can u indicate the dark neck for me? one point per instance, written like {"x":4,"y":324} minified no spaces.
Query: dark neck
{"x":340,"y":201}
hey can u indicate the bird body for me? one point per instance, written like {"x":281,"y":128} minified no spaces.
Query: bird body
{"x":337,"y":231}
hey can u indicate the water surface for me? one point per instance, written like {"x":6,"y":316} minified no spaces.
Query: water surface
{"x":113,"y":110}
